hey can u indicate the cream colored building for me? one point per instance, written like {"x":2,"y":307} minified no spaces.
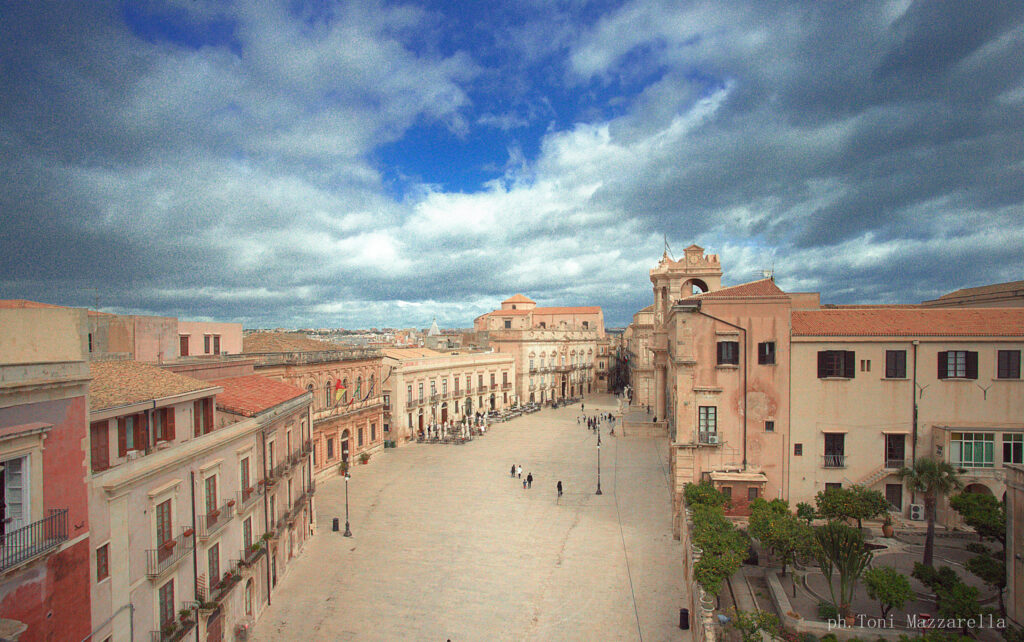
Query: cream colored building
{"x":639,"y":358}
{"x":424,"y":386}
{"x":554,"y":348}
{"x":875,"y":388}
{"x":187,"y":476}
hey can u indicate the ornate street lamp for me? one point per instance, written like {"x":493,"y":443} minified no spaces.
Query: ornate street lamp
{"x":598,"y":466}
{"x":348,"y":531}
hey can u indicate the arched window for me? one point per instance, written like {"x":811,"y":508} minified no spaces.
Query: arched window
{"x":359,"y":389}
{"x":327,"y":395}
{"x":344,"y":386}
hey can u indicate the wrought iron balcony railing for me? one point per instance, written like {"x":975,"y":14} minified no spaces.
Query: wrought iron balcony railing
{"x":212,"y":522}
{"x":895,"y":463}
{"x":246,"y":499}
{"x":32,"y":540}
{"x":159,"y":559}
{"x":835,"y":461}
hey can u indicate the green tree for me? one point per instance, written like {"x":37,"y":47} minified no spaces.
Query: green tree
{"x":806,"y":512}
{"x":724,"y":548}
{"x":887,"y":586}
{"x":992,"y":571}
{"x":984,"y":513}
{"x":752,"y":624}
{"x":855,"y":502}
{"x":782,"y":532}
{"x":867,"y":503}
{"x":932,"y":479}
{"x":841,"y":550}
{"x":703,"y":495}
{"x":835,"y":504}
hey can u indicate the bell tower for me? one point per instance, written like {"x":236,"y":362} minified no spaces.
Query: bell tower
{"x":674,"y":280}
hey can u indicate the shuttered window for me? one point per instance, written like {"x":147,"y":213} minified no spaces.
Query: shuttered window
{"x":958,"y":364}
{"x":99,"y":445}
{"x":836,"y":363}
{"x":895,"y":364}
{"x":1008,"y":366}
{"x":728,"y":353}
{"x":766,"y":353}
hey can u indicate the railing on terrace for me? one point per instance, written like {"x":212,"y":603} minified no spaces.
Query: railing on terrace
{"x":278,"y":471}
{"x":168,"y":553}
{"x":320,"y":356}
{"x":246,"y":498}
{"x":469,"y":390}
{"x":434,"y":396}
{"x":175,"y":631}
{"x":221,"y":586}
{"x":895,"y":463}
{"x":345,"y":408}
{"x":835,"y":461}
{"x":32,"y":540}
{"x":212,"y":522}
{"x":494,"y":386}
{"x":249,"y":556}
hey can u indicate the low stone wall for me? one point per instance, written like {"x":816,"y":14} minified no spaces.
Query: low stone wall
{"x":700,"y":604}
{"x":644,"y":428}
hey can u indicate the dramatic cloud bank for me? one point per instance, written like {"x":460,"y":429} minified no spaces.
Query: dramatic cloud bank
{"x":360,"y":164}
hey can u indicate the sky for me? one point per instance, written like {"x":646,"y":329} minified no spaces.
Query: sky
{"x":336,"y":164}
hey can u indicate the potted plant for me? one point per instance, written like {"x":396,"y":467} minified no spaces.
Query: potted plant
{"x":364,"y":458}
{"x":184,"y":615}
{"x":169,"y":544}
{"x":169,"y":628}
{"x":255,"y":548}
{"x":215,"y":513}
{"x":887,"y":528}
{"x":189,"y":532}
{"x":267,"y":537}
{"x":343,"y":468}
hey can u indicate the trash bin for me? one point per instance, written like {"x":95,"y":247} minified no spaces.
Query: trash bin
{"x":334,"y":526}
{"x":684,"y":619}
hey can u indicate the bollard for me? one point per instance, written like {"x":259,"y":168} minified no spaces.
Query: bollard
{"x":684,"y":619}
{"x":334,"y":526}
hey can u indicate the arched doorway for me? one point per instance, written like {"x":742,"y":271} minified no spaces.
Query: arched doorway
{"x":420,"y":420}
{"x":980,"y":489}
{"x":564,"y":385}
{"x":444,"y":412}
{"x":345,"y":438}
{"x":492,"y":401}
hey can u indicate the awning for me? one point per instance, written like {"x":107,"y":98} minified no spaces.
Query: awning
{"x":739,"y":477}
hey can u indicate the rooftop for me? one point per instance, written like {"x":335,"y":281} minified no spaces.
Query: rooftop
{"x":763,"y":287}
{"x":587,"y":309}
{"x":262,"y":342}
{"x":250,"y":395}
{"x":1009,"y":288}
{"x":410,"y":353}
{"x":940,"y":322}
{"x":518,"y":298}
{"x":10,"y":304}
{"x":120,"y":383}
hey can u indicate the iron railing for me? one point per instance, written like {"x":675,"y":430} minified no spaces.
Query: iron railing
{"x":215,"y":520}
{"x":895,"y":463}
{"x":175,"y":631}
{"x":30,"y":541}
{"x":168,"y":553}
{"x":835,"y":461}
{"x":246,"y":499}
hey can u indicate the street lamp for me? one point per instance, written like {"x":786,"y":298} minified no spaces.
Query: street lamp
{"x":599,"y":464}
{"x":348,"y":531}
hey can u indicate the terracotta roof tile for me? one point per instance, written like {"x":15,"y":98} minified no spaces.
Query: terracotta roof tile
{"x":942,"y":322}
{"x":119,"y":383}
{"x":411,"y":353}
{"x":250,"y":395}
{"x":514,"y":313}
{"x":262,"y":342}
{"x":764,"y":287}
{"x":985,"y":289}
{"x":589,"y":309}
{"x":518,"y":298}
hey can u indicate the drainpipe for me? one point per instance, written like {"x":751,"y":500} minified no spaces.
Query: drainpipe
{"x":195,"y":551}
{"x":745,"y":358}
{"x":266,"y":507}
{"x":913,"y":437}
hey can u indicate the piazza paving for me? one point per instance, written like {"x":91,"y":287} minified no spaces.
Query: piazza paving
{"x":447,"y":546}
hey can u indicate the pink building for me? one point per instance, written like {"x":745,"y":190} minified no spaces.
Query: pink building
{"x":44,"y":518}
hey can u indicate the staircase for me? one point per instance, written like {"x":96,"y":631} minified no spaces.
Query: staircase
{"x":875,"y":476}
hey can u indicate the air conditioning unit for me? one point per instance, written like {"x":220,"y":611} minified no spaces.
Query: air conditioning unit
{"x":917,"y":512}
{"x":712,"y":438}
{"x":134,"y":454}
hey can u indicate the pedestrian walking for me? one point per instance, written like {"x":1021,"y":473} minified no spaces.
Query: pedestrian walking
{"x":512,"y":473}
{"x":519,"y":469}
{"x":529,"y":480}
{"x":524,"y":484}
{"x":559,"y":487}
{"x":581,"y":407}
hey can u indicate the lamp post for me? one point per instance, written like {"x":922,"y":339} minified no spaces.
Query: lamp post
{"x":599,"y":464}
{"x":348,"y":531}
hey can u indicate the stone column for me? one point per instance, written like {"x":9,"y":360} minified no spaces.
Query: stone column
{"x":659,"y":390}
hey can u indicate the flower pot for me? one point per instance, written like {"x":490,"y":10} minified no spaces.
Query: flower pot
{"x":188,"y":532}
{"x":231,"y":502}
{"x":215,"y":514}
{"x":169,"y":544}
{"x":887,"y":530}
{"x":850,"y":620}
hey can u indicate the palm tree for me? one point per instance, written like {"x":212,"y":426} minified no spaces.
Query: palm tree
{"x":932,"y":479}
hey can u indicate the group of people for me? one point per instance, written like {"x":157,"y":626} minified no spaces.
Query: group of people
{"x":465,"y":429}
{"x":517,"y":471}
{"x":594,"y":423}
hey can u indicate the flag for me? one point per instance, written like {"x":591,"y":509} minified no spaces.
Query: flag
{"x":339,"y":392}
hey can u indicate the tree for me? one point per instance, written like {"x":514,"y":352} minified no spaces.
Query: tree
{"x":953,"y":598}
{"x":724,"y":548}
{"x":806,"y":512}
{"x":855,"y":502}
{"x":890,"y":588}
{"x":932,"y":479}
{"x":841,"y":549}
{"x":984,"y":513}
{"x":752,"y":624}
{"x":992,"y":571}
{"x":783,"y":533}
{"x":703,"y":495}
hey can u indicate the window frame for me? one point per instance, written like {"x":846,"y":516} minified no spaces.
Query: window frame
{"x":766,"y":353}
{"x":895,"y":364}
{"x":949,"y":365}
{"x":728,"y":353}
{"x":103,"y":562}
{"x":1008,"y":364}
{"x":837,"y":364}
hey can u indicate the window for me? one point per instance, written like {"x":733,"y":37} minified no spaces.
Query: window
{"x":586,"y":325}
{"x":433,"y":388}
{"x":836,"y":363}
{"x":182,"y":344}
{"x":492,"y":379}
{"x":895,"y":364}
{"x":728,"y":353}
{"x":327,"y":395}
{"x":216,"y":344}
{"x":202,"y":416}
{"x":766,"y":353}
{"x":211,"y":494}
{"x":865,"y":365}
{"x":249,"y":590}
{"x":1008,"y":364}
{"x":408,"y":391}
{"x":769,"y":426}
{"x":752,"y":493}
{"x":206,"y":344}
{"x":707,"y":422}
{"x":90,"y":342}
{"x":330,"y":449}
{"x":163,"y":424}
{"x":504,"y":378}
{"x":1013,"y":448}
{"x":102,"y":562}
{"x":833,"y":485}
{"x":373,"y":432}
{"x":835,"y":450}
{"x":359,"y":437}
{"x":455,"y":381}
{"x":444,"y":386}
{"x":894,"y":495}
{"x":213,"y":564}
{"x":164,"y":526}
{"x":243,"y":472}
{"x":798,"y":450}
{"x":247,"y":534}
{"x":958,"y":364}
{"x":972,"y":449}
{"x":99,"y":446}
{"x":387,"y":428}
{"x":727,"y":491}
{"x":131,"y":433}
{"x":480,"y":381}
{"x":531,"y":365}
{"x":421,"y":392}
{"x":508,"y":324}
{"x":166,"y":602}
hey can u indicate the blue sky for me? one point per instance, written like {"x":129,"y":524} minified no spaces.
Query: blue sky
{"x":380,"y":164}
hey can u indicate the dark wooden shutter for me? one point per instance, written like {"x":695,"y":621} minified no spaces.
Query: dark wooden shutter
{"x":208,"y":411}
{"x":99,"y":445}
{"x":169,"y":424}
{"x":197,"y":422}
{"x":849,"y":363}
{"x":972,"y":365}
{"x":942,"y":365}
{"x":822,"y":357}
{"x":122,"y":436}
{"x":141,"y":431}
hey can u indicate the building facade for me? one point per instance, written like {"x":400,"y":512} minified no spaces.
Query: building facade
{"x":44,"y":518}
{"x":424,"y":387}
{"x":345,"y":384}
{"x":554,"y":348}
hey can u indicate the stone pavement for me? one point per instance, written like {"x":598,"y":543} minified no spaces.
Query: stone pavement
{"x":447,"y":546}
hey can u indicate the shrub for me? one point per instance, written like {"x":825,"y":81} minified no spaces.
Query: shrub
{"x":976,"y":547}
{"x":827,"y":611}
{"x":703,"y":495}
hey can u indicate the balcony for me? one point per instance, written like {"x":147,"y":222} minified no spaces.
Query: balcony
{"x":33,"y":540}
{"x":494,"y":386}
{"x":708,"y":438}
{"x":469,"y":390}
{"x":220,"y":587}
{"x":506,"y":385}
{"x":895,"y":463}
{"x":434,"y":397}
{"x":277,"y":472}
{"x":211,"y":523}
{"x":835,"y":461}
{"x":563,"y":368}
{"x":533,"y":386}
{"x":444,"y":394}
{"x":159,"y":560}
{"x":533,"y":370}
{"x":173,"y":631}
{"x":246,"y":499}
{"x":249,"y":556}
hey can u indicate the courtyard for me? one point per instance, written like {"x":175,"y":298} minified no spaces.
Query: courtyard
{"x":446,"y":545}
